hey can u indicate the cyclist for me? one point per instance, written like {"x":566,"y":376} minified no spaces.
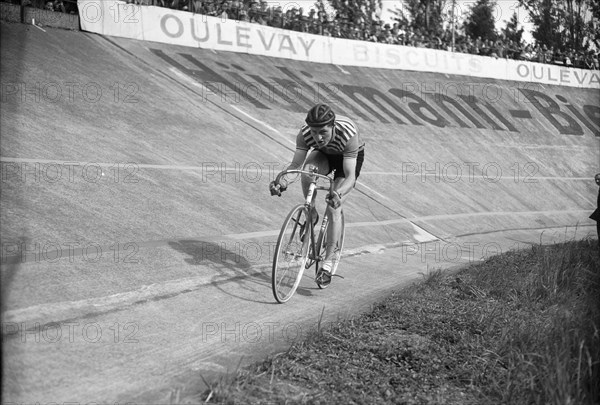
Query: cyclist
{"x":596,"y":214}
{"x":336,"y":145}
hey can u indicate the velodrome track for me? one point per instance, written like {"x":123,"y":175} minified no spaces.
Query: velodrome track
{"x":122,"y":286}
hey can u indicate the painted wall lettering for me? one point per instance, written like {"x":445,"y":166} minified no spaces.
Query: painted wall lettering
{"x":551,"y":110}
{"x":483,"y":106}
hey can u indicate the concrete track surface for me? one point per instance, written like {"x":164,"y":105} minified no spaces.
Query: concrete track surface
{"x":137,"y":228}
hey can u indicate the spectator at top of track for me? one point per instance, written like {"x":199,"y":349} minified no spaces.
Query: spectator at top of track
{"x":358,"y":20}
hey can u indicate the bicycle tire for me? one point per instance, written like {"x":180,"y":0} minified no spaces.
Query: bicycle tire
{"x":322,"y":248}
{"x":291,"y":254}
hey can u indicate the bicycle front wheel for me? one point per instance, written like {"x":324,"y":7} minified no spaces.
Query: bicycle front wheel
{"x":291,"y":254}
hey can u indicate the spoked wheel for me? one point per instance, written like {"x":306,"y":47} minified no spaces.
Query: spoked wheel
{"x":291,"y":255}
{"x":322,"y":248}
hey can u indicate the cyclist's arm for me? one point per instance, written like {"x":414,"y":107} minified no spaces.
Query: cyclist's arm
{"x":298,"y":159}
{"x":347,"y":183}
{"x":300,"y":154}
{"x":349,"y":165}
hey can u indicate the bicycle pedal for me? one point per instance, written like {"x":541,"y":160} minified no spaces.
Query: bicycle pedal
{"x":323,"y":277}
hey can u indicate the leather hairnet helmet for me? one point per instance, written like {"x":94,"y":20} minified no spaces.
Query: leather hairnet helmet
{"x":319,"y":116}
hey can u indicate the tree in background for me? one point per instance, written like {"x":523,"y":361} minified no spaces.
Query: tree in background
{"x":424,"y":15}
{"x":480,"y":22}
{"x":563,"y":24}
{"x":511,"y":31}
{"x":400,"y":16}
{"x":593,"y":27}
{"x":353,"y":11}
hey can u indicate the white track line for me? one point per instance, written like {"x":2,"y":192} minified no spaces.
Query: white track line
{"x":497,"y":213}
{"x":342,"y":70}
{"x":204,"y":89}
{"x":210,"y":166}
{"x":206,"y":165}
{"x":262,"y":234}
{"x":439,"y":174}
{"x":39,"y":28}
{"x":264,"y":124}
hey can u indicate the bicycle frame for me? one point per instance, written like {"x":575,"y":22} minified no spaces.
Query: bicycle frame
{"x":308,"y":202}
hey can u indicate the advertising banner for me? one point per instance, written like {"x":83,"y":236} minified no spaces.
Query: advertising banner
{"x":158,"y":24}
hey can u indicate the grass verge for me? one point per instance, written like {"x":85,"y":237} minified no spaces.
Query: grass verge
{"x":520,"y":328}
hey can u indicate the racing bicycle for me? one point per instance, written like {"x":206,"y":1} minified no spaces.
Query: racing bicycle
{"x":298,"y":248}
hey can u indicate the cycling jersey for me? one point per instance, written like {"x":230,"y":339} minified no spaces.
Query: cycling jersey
{"x":345,"y":140}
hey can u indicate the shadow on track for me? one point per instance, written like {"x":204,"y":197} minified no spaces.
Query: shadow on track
{"x":230,"y":267}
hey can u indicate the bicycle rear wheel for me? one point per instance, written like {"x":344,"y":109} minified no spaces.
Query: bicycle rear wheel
{"x":322,"y":248}
{"x":290,"y":256}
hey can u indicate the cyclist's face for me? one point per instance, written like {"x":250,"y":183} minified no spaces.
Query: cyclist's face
{"x":322,"y":135}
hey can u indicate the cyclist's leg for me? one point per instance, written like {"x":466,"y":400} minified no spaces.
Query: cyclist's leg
{"x":335,"y":225}
{"x":335,"y":214}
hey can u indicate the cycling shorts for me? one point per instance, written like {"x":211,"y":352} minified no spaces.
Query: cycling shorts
{"x":337,"y":162}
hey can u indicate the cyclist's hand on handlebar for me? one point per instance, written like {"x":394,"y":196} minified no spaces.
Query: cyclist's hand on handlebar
{"x":274,"y":189}
{"x":277,"y":189}
{"x":334,"y":200}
